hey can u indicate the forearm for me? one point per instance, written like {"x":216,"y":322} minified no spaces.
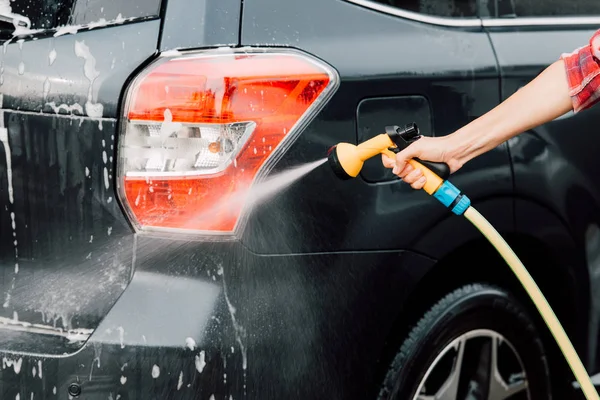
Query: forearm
{"x":572,"y":83}
{"x":542,"y":100}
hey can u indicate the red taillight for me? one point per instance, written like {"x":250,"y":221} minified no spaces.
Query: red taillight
{"x":199,"y":128}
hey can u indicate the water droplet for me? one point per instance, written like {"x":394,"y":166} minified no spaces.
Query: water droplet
{"x":180,"y":382}
{"x":200,"y":361}
{"x":46,"y":88}
{"x":106,"y":182}
{"x":52,"y":57}
{"x":190,"y":343}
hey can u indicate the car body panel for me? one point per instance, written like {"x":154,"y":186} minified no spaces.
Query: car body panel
{"x":190,"y":24}
{"x":68,"y":255}
{"x":280,"y":317}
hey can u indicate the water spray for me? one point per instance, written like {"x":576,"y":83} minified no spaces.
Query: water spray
{"x":347,"y":160}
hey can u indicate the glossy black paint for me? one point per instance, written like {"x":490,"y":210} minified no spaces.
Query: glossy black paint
{"x":314,"y":298}
{"x":198,"y":23}
{"x":52,"y":14}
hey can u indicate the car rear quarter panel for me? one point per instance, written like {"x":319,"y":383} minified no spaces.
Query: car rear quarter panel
{"x":377,"y":56}
{"x":63,"y":225}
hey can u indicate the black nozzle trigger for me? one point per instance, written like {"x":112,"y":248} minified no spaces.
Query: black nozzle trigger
{"x":404,"y":137}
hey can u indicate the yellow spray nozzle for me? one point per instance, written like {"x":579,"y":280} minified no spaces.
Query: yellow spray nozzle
{"x":347,"y":159}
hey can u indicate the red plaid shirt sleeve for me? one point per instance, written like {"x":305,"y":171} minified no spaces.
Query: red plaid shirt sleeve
{"x":583,"y":74}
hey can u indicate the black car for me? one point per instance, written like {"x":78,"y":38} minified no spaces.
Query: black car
{"x":137,"y":262}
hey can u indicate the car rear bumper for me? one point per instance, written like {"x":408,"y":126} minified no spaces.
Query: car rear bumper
{"x":203,"y":319}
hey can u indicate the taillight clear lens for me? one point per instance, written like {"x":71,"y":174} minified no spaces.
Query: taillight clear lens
{"x":200,"y":128}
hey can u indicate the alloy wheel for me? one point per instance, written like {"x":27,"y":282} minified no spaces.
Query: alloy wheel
{"x":479,"y":364}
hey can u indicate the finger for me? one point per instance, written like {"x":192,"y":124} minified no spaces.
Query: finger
{"x":402,"y":170}
{"x":413,"y":176}
{"x":410,"y":152}
{"x":408,"y":168}
{"x":420,"y":183}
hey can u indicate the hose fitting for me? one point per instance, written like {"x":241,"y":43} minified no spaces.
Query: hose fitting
{"x":450,"y":196}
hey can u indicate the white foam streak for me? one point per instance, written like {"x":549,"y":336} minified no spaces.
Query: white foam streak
{"x":4,"y":140}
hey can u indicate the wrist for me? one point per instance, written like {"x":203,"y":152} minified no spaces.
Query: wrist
{"x":463,"y":145}
{"x":476,"y":138}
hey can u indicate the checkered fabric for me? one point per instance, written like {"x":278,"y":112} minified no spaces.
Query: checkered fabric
{"x":583,"y":74}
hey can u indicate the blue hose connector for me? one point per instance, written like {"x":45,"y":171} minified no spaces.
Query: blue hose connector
{"x":451,"y":197}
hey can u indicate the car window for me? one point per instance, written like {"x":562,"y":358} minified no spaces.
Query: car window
{"x":438,"y":8}
{"x":546,"y":8}
{"x":50,"y":14}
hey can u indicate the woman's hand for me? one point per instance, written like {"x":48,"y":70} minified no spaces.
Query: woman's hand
{"x":436,"y":149}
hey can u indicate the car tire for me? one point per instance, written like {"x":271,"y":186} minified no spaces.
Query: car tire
{"x":466,"y":325}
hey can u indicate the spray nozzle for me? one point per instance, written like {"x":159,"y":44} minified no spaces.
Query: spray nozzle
{"x":347,"y":159}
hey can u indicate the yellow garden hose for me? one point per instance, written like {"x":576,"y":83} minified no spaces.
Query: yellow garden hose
{"x":538,"y":298}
